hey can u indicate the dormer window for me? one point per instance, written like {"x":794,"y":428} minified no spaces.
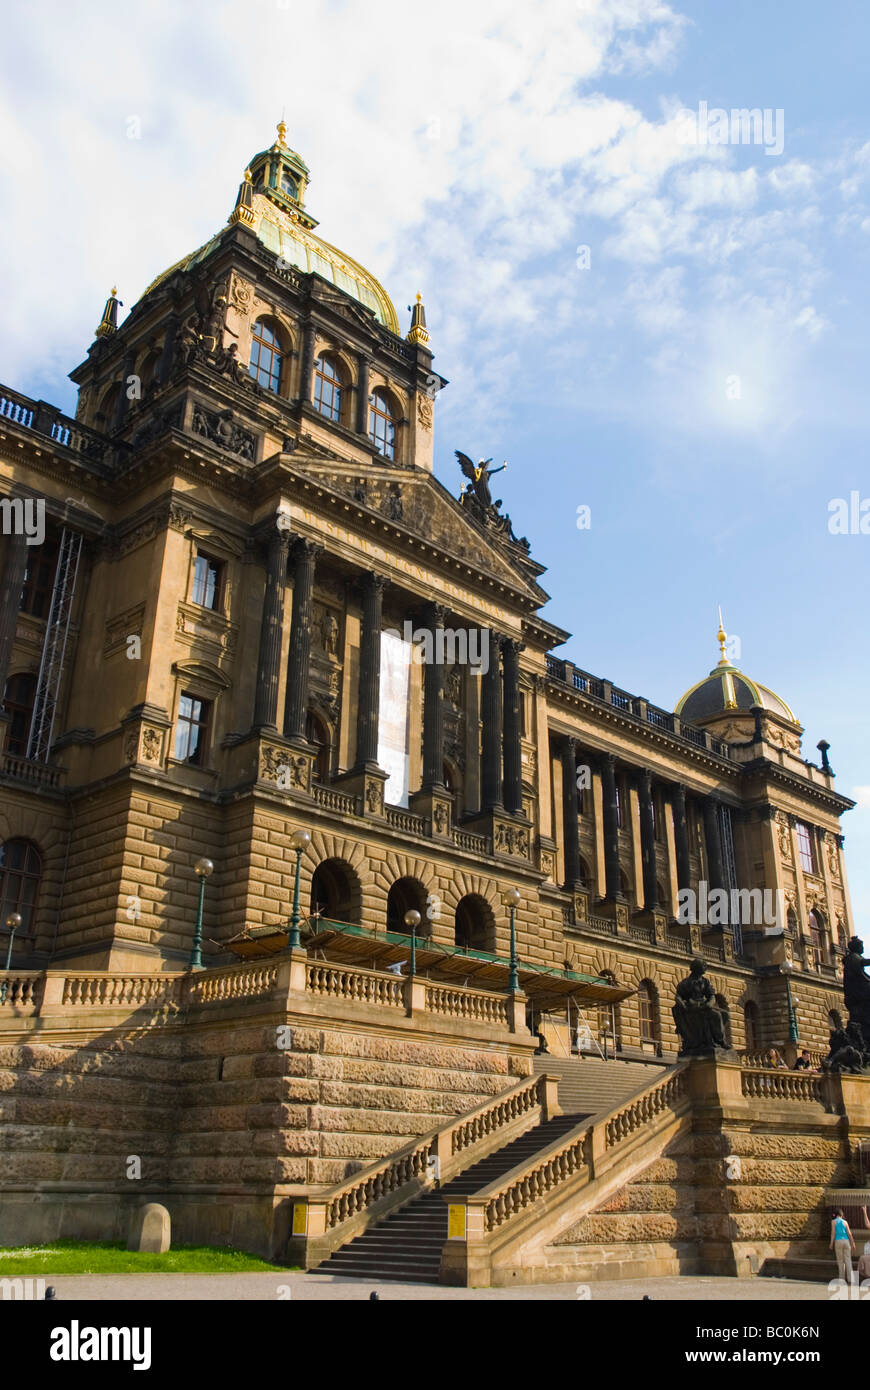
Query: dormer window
{"x":289,"y":185}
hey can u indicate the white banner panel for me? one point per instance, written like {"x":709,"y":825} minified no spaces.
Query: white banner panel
{"x":393,"y":740}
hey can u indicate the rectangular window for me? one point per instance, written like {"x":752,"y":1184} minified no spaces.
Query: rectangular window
{"x":191,"y":730}
{"x":207,"y":585}
{"x":806,"y":847}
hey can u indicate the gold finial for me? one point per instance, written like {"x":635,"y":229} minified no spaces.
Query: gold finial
{"x":114,"y":291}
{"x":722,"y":638}
{"x":247,"y":176}
{"x":282,"y":131}
{"x":419,"y":297}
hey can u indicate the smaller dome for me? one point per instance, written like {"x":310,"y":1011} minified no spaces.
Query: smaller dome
{"x":727,"y":690}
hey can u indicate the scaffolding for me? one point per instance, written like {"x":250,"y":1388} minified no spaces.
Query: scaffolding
{"x":730,"y":865}
{"x":54,"y":646}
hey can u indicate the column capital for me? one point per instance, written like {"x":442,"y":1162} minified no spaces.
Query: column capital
{"x":305,"y":548}
{"x":370,"y":581}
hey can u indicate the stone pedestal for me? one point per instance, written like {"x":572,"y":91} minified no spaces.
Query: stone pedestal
{"x":367,"y":786}
{"x":150,"y":1229}
{"x":616,"y":910}
{"x":437,"y":808}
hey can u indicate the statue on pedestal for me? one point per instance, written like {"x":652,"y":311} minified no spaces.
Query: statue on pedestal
{"x":856,"y":986}
{"x":696,"y":1018}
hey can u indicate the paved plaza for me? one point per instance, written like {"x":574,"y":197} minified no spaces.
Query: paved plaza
{"x":312,"y":1287}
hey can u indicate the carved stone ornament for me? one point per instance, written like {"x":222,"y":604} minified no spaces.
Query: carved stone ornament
{"x":511,"y":839}
{"x":222,"y":430}
{"x":374,"y":798}
{"x":131,"y":746}
{"x":152,"y":745}
{"x":441,"y":818}
{"x":425,"y":413}
{"x":240,"y":295}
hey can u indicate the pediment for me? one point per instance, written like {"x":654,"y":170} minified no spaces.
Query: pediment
{"x":416,"y":503}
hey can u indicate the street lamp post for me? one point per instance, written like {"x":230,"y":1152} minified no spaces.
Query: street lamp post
{"x":13,"y":922}
{"x":511,"y":899}
{"x":299,"y":841}
{"x":412,"y":922}
{"x":793,"y":1033}
{"x":203,"y":868}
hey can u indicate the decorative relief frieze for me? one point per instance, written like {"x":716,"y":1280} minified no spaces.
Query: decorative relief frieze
{"x":511,"y":839}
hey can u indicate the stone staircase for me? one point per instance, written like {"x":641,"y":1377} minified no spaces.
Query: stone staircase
{"x":407,"y":1244}
{"x":590,"y":1085}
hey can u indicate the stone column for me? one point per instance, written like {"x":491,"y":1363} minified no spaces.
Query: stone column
{"x":362,"y":399}
{"x":647,"y":841}
{"x":571,"y":829}
{"x":305,"y":553}
{"x":368,"y":706}
{"x":611,"y":827}
{"x":513,"y":754}
{"x":491,"y":714}
{"x":681,"y":837}
{"x":433,"y":703}
{"x":271,"y":626}
{"x":307,"y":370}
{"x":713,"y":840}
{"x":11,"y":583}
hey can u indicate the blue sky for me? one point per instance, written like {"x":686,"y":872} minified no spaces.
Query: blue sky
{"x":467,"y":152}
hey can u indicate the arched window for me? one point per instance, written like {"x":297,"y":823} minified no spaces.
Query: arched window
{"x":336,"y":892}
{"x":317,"y":733}
{"x":750,"y":1026}
{"x":106,"y":412}
{"x":650,"y":1026}
{"x":327,"y":388}
{"x":408,"y":895}
{"x":475,"y":924}
{"x":722,"y":1006}
{"x":382,"y":425}
{"x":610,"y":1019}
{"x":267,"y":357}
{"x":18,"y":702}
{"x":20,"y":872}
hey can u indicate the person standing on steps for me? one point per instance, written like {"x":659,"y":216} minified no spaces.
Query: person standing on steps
{"x":843,"y":1245}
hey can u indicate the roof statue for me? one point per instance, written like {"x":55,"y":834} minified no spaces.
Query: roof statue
{"x":477,"y":498}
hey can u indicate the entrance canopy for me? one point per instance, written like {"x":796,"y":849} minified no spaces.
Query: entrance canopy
{"x":340,"y":941}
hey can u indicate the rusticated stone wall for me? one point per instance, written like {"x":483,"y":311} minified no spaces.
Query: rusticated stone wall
{"x":222,"y":1113}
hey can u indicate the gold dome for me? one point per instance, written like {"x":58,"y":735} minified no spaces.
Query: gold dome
{"x":274,"y":201}
{"x":726,"y":690}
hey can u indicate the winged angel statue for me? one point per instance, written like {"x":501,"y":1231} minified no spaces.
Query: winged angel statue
{"x":479,"y":475}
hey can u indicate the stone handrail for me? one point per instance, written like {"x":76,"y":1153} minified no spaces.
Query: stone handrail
{"x":333,"y":800}
{"x":406,"y":821}
{"x":574,"y":1156}
{"x":336,"y":1215}
{"x":109,"y":991}
{"x":354,"y":984}
{"x":233,"y":982}
{"x":774,"y":1083}
{"x":456,"y":1001}
{"x":22,"y":990}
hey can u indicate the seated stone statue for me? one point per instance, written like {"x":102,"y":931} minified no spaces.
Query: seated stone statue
{"x":696,"y":1018}
{"x":843,"y":1055}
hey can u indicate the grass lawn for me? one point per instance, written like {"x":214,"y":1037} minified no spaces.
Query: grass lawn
{"x":110,"y":1257}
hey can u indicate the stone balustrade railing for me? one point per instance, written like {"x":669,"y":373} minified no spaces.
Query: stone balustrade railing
{"x":55,"y":992}
{"x":772,"y":1083}
{"x":323,"y":1221}
{"x":490,"y":1119}
{"x":332,"y":800}
{"x":573,"y":1157}
{"x":354,"y":984}
{"x":233,"y":982}
{"x":23,"y":989}
{"x":455,"y":1001}
{"x":406,"y":821}
{"x":108,"y":991}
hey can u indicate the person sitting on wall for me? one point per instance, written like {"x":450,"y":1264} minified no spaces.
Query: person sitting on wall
{"x":774,"y":1060}
{"x":804,"y":1062}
